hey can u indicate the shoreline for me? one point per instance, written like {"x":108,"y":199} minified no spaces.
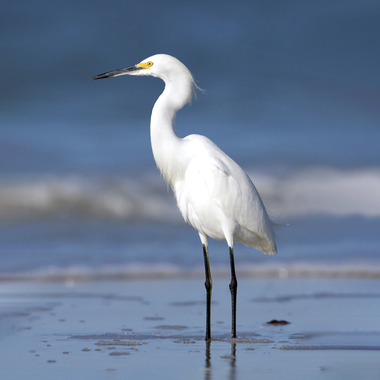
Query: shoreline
{"x":155,"y":329}
{"x":142,"y":272}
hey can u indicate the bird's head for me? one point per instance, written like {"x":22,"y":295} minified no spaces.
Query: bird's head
{"x":160,"y":65}
{"x":167,"y":68}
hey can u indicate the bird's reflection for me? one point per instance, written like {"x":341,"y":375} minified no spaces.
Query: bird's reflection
{"x":208,"y":373}
{"x":232,"y":359}
{"x":232,"y":375}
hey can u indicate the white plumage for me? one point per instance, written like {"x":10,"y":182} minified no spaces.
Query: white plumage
{"x":213,"y":192}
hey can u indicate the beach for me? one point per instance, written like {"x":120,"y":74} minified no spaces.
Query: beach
{"x":155,"y":329}
{"x":100,"y":277}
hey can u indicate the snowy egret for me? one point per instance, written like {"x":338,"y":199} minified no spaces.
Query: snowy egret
{"x":213,"y":193}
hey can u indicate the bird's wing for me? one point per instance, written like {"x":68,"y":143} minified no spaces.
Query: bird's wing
{"x":233,"y":192}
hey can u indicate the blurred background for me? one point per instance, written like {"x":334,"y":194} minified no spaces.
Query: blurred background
{"x":291,"y":94}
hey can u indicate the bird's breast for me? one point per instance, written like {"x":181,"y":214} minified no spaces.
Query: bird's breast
{"x":198,"y":208}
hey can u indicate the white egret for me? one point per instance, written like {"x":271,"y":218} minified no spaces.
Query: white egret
{"x":213,"y":193}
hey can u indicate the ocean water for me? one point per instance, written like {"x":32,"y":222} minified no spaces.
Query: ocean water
{"x":291,"y":94}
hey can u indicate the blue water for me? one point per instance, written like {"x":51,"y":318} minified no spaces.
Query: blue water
{"x":291,"y":93}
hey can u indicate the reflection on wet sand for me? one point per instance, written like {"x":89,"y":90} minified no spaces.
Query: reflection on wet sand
{"x":232,"y":361}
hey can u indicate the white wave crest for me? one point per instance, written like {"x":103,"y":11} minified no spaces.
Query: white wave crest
{"x":300,"y":193}
{"x":117,"y":198}
{"x":322,"y":191}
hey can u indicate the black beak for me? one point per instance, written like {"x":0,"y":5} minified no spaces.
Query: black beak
{"x":116,"y":73}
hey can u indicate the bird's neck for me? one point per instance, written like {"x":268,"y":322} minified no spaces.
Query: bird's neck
{"x":166,"y":145}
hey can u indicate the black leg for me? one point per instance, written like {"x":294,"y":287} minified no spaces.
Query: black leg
{"x":208,"y":285}
{"x":233,"y":290}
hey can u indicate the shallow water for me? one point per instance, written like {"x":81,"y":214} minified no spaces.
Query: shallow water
{"x":314,"y":246}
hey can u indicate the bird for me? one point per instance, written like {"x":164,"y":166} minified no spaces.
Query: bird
{"x":213,"y":193}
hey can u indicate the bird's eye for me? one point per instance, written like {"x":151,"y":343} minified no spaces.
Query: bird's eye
{"x":150,"y":63}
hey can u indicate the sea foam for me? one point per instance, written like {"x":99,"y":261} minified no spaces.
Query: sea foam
{"x":305,"y":192}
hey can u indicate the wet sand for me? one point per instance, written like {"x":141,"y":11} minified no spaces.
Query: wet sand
{"x":155,"y":330}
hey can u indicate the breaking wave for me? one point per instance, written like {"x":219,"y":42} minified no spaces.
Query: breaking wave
{"x":115,"y":198}
{"x":299,"y":193}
